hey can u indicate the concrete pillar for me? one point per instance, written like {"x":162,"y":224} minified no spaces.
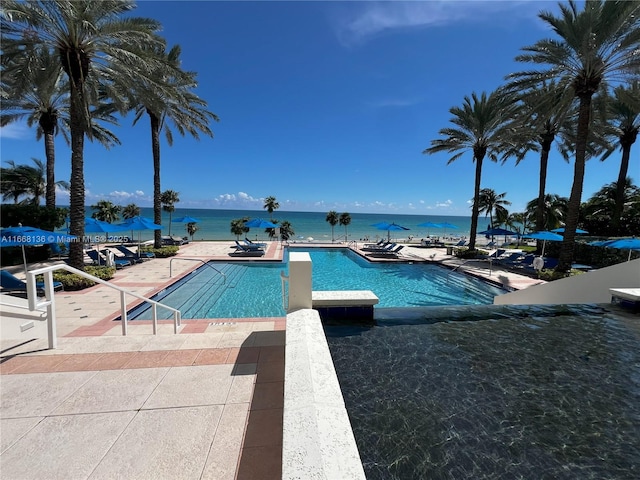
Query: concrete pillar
{"x":299,"y":281}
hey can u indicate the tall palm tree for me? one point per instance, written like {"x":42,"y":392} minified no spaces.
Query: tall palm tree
{"x":97,"y":46}
{"x":597,"y":44}
{"x":26,"y":180}
{"x":271,"y":205}
{"x":333,"y":219}
{"x":130,"y":211}
{"x":490,"y":203}
{"x":625,"y":110}
{"x":480,"y":126}
{"x":345,"y":221}
{"x":168,"y":199}
{"x":554,"y":210}
{"x":171,"y":102}
{"x":286,"y":230}
{"x":105,"y":211}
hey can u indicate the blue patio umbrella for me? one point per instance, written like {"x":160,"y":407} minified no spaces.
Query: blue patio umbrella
{"x":20,"y":236}
{"x":259,"y":223}
{"x":139,"y":223}
{"x":92,"y":225}
{"x":544,"y":236}
{"x":186,"y":219}
{"x":389,"y":227}
{"x":624,"y":244}
{"x":561,"y":230}
{"x":429,"y":225}
{"x":498,"y":231}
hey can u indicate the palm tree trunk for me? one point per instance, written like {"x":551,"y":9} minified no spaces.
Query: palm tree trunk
{"x":76,"y":187}
{"x":157,"y":204}
{"x":49,"y":152}
{"x":474,"y":208}
{"x":620,"y":186}
{"x":542,"y":185}
{"x":573,"y":207}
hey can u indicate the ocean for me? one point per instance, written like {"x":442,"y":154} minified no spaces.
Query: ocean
{"x":215,"y":225}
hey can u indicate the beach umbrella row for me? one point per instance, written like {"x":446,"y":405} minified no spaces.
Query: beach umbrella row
{"x":31,"y":236}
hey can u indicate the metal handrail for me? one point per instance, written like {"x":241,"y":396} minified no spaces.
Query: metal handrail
{"x":196,"y":260}
{"x":32,"y":297}
{"x":284,"y":278}
{"x":353,"y":244}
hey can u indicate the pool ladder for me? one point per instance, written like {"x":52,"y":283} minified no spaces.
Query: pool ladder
{"x":196,"y":260}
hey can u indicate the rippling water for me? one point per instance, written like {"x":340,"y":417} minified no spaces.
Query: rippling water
{"x":494,"y":392}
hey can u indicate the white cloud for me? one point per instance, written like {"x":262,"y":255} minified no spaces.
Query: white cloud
{"x":371,"y":19}
{"x":17,"y":131}
{"x":446,"y":203}
{"x":241,"y":200}
{"x":121,"y":195}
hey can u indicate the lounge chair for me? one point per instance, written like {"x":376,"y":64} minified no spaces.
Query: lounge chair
{"x":254,"y":244}
{"x":131,"y":255}
{"x":247,"y":251}
{"x":99,"y":259}
{"x":174,"y":240}
{"x":392,"y":253}
{"x":10,"y":283}
{"x":384,"y":248}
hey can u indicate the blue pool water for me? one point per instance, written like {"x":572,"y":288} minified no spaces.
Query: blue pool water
{"x":255,"y":289}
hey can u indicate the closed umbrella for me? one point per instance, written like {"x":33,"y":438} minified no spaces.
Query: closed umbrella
{"x":20,"y":236}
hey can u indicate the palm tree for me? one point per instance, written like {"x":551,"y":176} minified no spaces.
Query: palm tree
{"x":598,"y":44}
{"x":238,"y":226}
{"x":130,"y":211}
{"x":345,"y":220}
{"x":97,"y":46}
{"x":332,"y":218}
{"x":168,"y":199}
{"x":105,"y":211}
{"x":480,"y":128}
{"x":271,"y":205}
{"x":489,"y":202}
{"x":554,"y":210}
{"x":192,"y":228}
{"x":625,"y":110}
{"x":26,"y":180}
{"x":169,"y":102}
{"x":598,"y":210}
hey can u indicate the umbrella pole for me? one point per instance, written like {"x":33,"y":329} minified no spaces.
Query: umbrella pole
{"x":24,"y":259}
{"x":544,"y":244}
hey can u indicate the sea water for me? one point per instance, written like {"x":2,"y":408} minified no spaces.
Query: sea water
{"x":307,"y":226}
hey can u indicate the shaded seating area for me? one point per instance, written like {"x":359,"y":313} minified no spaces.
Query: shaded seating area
{"x":136,"y":256}
{"x":254,"y":244}
{"x":99,"y":258}
{"x":11,"y":283}
{"x":386,"y":246}
{"x":174,"y":240}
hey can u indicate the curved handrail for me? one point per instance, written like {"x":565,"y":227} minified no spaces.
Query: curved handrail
{"x":353,"y":244}
{"x":197,"y":260}
{"x":50,"y":302}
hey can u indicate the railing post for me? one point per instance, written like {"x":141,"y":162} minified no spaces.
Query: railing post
{"x":123,"y":310}
{"x":154,"y":316}
{"x":51,"y":310}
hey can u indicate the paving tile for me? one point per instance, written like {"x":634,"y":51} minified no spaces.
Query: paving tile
{"x":271,"y":354}
{"x":190,"y":386}
{"x":113,"y":360}
{"x":64,"y":447}
{"x":178,"y":358}
{"x":268,"y":395}
{"x":241,"y":390}
{"x":38,"y":394}
{"x":270,"y":372}
{"x":262,"y":339}
{"x":113,"y":391}
{"x":224,"y":454}
{"x":203,"y":340}
{"x":79,"y":362}
{"x":41,"y":364}
{"x":263,"y":463}
{"x":146,"y":359}
{"x":170,"y":443}
{"x":243,"y":355}
{"x":213,"y":356}
{"x":264,"y":428}
{"x":14,"y":428}
{"x":236,"y":339}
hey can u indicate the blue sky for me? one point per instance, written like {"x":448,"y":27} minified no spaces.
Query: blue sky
{"x":326,"y":106}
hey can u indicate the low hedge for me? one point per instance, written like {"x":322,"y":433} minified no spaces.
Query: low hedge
{"x":74,"y":282}
{"x":163,"y":252}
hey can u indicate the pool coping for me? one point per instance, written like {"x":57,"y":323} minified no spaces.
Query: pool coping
{"x":317,"y":439}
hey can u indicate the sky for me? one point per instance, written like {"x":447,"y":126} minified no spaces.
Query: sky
{"x":326,"y":105}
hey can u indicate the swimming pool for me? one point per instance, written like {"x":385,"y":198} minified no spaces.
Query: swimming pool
{"x":493,"y":391}
{"x":254,"y":289}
